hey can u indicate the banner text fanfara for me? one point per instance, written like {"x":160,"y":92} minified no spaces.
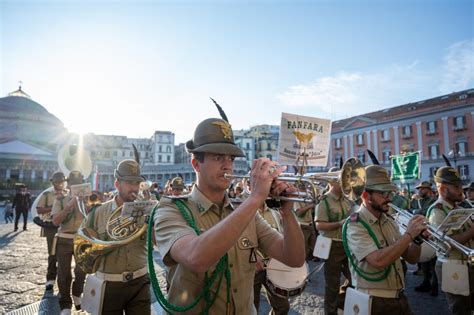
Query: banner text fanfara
{"x":304,"y":125}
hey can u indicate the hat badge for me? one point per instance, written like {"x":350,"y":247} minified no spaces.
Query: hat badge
{"x":225,"y":128}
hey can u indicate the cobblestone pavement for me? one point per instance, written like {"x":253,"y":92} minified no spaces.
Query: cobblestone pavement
{"x":23,"y":262}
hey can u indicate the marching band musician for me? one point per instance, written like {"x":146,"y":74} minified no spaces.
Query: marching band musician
{"x":44,"y":208}
{"x":68,"y":217}
{"x":280,"y":305}
{"x":469,"y":194}
{"x":331,"y":213}
{"x":375,"y":246}
{"x":449,"y":186}
{"x":304,"y":214}
{"x":202,"y":234}
{"x":124,"y":269}
{"x":177,"y":186}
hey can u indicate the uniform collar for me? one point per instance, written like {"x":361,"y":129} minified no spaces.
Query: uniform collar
{"x":369,"y":217}
{"x":444,"y":203}
{"x":204,"y":204}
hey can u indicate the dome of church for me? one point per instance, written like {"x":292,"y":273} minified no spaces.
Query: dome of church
{"x":24,"y":119}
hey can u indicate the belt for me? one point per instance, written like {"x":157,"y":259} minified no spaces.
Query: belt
{"x":122,"y":277}
{"x":66,"y":235}
{"x":383,"y":293}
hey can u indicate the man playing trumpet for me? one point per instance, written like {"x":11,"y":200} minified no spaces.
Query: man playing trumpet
{"x":201,"y":235}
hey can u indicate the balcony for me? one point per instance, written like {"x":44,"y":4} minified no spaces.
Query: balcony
{"x":431,"y":132}
{"x":407,"y":136}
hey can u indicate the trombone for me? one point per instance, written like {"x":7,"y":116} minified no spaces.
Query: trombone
{"x":351,"y":178}
{"x":439,"y":241}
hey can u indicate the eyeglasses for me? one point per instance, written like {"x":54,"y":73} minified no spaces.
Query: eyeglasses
{"x":384,"y":194}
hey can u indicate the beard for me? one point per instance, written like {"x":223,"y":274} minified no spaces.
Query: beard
{"x":379,"y":207}
{"x":454,"y":197}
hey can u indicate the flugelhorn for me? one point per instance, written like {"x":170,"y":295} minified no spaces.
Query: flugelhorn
{"x":351,"y":178}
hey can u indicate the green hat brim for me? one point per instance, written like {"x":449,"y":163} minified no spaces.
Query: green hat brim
{"x":444,"y":181}
{"x":217,"y":148}
{"x":131,"y":178}
{"x":382,"y":187}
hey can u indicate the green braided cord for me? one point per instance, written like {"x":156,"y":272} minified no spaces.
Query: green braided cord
{"x":363,"y":274}
{"x":221,"y":266}
{"x":430,"y":209}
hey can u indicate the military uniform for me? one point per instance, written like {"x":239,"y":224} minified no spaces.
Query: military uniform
{"x":334,"y":209}
{"x":132,"y":291}
{"x":125,"y":268}
{"x":458,"y":304}
{"x":64,"y":253}
{"x":279,"y":305}
{"x":306,"y":224}
{"x":387,"y":291}
{"x":170,"y":225}
{"x":46,"y":201}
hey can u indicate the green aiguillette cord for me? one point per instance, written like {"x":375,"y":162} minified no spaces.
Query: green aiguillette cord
{"x":222,"y":269}
{"x":369,"y":276}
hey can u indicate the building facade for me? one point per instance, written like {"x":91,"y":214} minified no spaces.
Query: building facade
{"x":441,"y":125}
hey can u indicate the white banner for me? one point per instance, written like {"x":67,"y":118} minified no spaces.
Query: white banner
{"x":302,"y":135}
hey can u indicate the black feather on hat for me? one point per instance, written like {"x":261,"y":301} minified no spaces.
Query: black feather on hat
{"x":373,"y":158}
{"x":136,"y":154}
{"x":221,"y":111}
{"x":446,"y":160}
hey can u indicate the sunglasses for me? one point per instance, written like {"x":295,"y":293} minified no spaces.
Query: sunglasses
{"x":384,"y":194}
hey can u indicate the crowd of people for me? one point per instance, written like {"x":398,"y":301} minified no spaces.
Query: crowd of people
{"x":217,"y":236}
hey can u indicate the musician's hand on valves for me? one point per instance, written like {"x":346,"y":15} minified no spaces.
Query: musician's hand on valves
{"x":416,"y":226}
{"x":280,"y":188}
{"x":263,"y":172}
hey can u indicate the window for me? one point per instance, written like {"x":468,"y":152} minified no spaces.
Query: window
{"x":159,"y":149}
{"x":406,"y":132}
{"x":123,"y":153}
{"x":159,"y":158}
{"x":385,"y":135}
{"x":459,"y":123}
{"x":115,"y":153}
{"x":168,"y":158}
{"x":107,"y":154}
{"x":463,"y":171}
{"x":434,"y":151}
{"x":168,"y":149}
{"x":361,"y":156}
{"x":247,"y":146}
{"x":337,"y":158}
{"x":461,"y":148}
{"x":338,"y":143}
{"x":360,"y":139}
{"x":269,"y":156}
{"x":131,"y":153}
{"x":386,"y":156}
{"x":431,"y":127}
{"x":269,"y":146}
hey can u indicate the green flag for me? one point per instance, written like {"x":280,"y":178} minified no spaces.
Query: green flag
{"x":406,"y":168}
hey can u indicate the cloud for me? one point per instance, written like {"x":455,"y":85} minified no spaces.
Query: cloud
{"x":458,"y":67}
{"x":347,"y":94}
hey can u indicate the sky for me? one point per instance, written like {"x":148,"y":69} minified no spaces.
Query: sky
{"x":130,"y":67}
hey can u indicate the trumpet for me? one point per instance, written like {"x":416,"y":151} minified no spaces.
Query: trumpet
{"x":440,"y":242}
{"x":351,"y":178}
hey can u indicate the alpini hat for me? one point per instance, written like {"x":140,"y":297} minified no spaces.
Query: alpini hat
{"x":128,"y":170}
{"x":214,"y":135}
{"x":424,"y":184}
{"x":377,"y":178}
{"x":447,"y":175}
{"x":75,"y":178}
{"x":57,"y":177}
{"x":177,"y":183}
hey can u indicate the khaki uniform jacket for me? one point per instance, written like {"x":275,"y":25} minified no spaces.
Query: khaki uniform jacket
{"x":361,"y":244}
{"x":73,"y":221}
{"x":130,"y":257}
{"x":437,"y":213}
{"x":185,"y":284}
{"x":306,"y":218}
{"x":46,"y":201}
{"x":333,"y":209}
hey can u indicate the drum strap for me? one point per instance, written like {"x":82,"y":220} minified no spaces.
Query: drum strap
{"x":369,"y":276}
{"x":222,"y":269}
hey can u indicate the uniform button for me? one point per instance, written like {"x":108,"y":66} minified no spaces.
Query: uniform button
{"x":231,"y":265}
{"x":235,"y":290}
